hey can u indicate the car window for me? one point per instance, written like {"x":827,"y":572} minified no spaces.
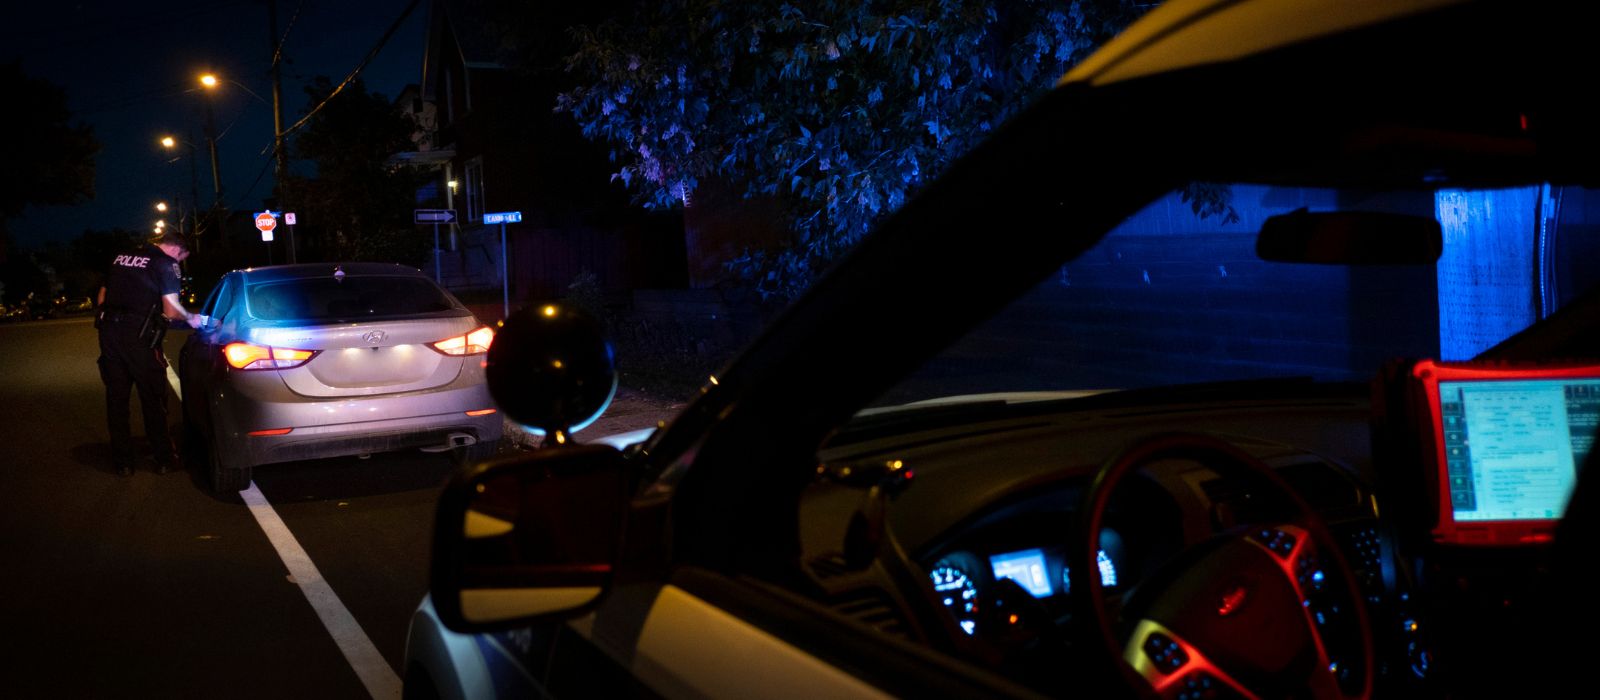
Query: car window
{"x":210,"y":308}
{"x":352,"y":297}
{"x":222,"y":300}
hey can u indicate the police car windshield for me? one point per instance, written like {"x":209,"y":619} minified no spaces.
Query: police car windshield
{"x":326,"y":299}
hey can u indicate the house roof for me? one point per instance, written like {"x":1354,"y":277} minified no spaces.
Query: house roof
{"x":464,"y":31}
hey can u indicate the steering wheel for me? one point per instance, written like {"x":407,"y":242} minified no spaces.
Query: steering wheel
{"x":1268,"y":609}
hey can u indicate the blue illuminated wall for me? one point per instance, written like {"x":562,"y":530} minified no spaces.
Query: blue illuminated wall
{"x":1487,"y":280}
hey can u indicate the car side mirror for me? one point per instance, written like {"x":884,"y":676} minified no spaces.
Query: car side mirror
{"x":528,"y":538}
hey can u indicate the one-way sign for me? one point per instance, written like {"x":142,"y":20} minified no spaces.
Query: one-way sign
{"x":435,"y":216}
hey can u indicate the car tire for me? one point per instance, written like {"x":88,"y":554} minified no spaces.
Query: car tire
{"x":225,"y":478}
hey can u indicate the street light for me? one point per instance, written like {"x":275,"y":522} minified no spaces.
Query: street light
{"x":170,"y":143}
{"x":209,"y":81}
{"x":161,"y":206}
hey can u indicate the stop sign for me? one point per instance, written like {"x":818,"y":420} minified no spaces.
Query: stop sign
{"x":266,"y":221}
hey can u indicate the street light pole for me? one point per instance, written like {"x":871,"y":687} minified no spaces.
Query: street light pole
{"x":170,"y":142}
{"x":209,"y":82}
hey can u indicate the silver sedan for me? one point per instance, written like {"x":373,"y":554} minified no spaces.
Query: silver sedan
{"x":296,"y":362}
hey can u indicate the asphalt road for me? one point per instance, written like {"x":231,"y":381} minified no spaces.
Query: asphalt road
{"x":151,"y":586}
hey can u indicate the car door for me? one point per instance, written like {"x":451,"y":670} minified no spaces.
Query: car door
{"x":197,"y":361}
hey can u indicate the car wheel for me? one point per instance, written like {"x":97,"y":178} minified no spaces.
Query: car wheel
{"x":194,"y":448}
{"x":225,"y":477}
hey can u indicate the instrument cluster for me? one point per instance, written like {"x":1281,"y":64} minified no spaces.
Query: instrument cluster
{"x":984,"y":586}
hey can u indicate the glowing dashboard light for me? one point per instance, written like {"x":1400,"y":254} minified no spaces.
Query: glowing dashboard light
{"x":483,"y":412}
{"x":1108,"y":570}
{"x":474,"y":343}
{"x":248,"y":356}
{"x":275,"y":431}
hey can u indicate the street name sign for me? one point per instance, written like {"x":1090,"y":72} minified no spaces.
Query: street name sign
{"x":435,"y":216}
{"x":503,"y":217}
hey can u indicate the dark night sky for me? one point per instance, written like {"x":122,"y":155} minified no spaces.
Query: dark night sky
{"x":129,"y":70}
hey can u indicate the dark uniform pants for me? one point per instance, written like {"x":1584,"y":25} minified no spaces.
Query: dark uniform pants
{"x":126,"y":361}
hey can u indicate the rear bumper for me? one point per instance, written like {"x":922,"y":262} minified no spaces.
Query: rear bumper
{"x":323,"y":441}
{"x":320,"y":428}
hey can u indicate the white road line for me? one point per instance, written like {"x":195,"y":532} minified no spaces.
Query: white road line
{"x":375,"y":673}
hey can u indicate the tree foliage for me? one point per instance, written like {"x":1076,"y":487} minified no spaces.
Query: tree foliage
{"x":839,"y":109}
{"x":356,"y":207}
{"x":49,"y":159}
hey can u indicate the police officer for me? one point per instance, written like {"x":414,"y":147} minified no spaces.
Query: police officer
{"x":140,"y":294}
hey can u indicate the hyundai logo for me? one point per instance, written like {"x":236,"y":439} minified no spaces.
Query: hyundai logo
{"x":374,"y":337}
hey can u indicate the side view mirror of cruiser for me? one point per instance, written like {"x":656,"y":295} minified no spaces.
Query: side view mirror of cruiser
{"x":534,"y":536}
{"x":528,"y":537}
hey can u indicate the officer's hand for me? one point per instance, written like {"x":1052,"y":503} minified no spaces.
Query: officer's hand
{"x":194,"y":320}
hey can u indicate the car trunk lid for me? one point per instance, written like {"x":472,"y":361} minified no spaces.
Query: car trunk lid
{"x":368,"y":358}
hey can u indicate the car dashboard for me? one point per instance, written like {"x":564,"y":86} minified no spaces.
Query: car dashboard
{"x":986,"y":516}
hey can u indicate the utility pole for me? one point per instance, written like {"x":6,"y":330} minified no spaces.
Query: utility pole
{"x":277,"y":117}
{"x":194,"y":194}
{"x":216,"y":172}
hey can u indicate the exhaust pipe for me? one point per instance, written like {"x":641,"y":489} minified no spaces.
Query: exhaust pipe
{"x":452,"y":441}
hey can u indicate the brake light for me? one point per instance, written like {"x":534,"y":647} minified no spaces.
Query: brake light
{"x":474,"y":343}
{"x":247,"y":356}
{"x":483,"y":412}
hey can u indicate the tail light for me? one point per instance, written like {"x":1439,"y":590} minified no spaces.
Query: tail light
{"x":247,"y":356}
{"x":474,"y":343}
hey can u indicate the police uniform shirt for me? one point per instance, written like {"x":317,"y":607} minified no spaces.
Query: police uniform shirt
{"x":138,"y":280}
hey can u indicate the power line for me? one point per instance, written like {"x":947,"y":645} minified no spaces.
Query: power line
{"x":252,"y":188}
{"x":163,"y":92}
{"x":277,"y":52}
{"x":348,"y":79}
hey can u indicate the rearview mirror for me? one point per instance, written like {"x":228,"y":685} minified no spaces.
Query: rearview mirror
{"x":528,"y":537}
{"x":1350,"y":238}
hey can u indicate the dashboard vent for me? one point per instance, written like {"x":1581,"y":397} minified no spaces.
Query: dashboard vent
{"x":860,"y":599}
{"x":872,"y":608}
{"x":832,"y":566}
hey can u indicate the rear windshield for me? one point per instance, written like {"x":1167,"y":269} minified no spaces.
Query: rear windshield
{"x":327,"y":299}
